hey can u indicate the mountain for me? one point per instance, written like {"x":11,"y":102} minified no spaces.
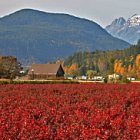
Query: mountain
{"x":127,"y":30}
{"x":36,"y":36}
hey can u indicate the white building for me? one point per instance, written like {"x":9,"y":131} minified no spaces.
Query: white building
{"x":131,"y":78}
{"x":83,"y":77}
{"x":98,"y":78}
{"x":113,"y":76}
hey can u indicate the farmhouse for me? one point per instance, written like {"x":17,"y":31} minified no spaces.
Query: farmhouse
{"x":46,"y":71}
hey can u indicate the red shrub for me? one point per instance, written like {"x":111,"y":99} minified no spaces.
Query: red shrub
{"x":64,"y":111}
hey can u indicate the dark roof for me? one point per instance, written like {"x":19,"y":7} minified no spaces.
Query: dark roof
{"x":50,"y":69}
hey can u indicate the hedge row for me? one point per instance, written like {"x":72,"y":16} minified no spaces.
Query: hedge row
{"x":40,"y":82}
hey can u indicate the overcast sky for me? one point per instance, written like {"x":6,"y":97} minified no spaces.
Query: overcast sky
{"x":100,"y":11}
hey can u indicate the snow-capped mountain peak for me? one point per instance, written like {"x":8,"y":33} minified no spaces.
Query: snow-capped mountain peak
{"x":134,"y":20}
{"x":128,"y":31}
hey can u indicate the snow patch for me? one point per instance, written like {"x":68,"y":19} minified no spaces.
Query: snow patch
{"x":134,"y":20}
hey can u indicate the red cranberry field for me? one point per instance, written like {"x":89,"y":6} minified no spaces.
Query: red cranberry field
{"x":70,"y":112}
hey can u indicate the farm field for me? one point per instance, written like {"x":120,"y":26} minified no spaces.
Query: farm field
{"x":70,"y":111}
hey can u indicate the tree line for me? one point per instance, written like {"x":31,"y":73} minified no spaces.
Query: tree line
{"x":102,"y":62}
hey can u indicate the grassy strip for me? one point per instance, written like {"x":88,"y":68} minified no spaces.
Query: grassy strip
{"x":40,"y":82}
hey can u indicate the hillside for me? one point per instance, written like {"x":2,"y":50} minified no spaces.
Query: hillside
{"x":127,"y":30}
{"x":125,"y":62}
{"x":35,"y":36}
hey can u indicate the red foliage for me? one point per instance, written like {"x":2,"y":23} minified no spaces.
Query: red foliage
{"x":77,"y":111}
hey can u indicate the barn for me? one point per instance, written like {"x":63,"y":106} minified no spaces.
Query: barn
{"x":46,"y":71}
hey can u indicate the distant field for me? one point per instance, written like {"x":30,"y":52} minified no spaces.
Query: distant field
{"x":70,"y":111}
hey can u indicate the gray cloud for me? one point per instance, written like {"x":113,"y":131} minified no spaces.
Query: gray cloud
{"x":100,"y":11}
